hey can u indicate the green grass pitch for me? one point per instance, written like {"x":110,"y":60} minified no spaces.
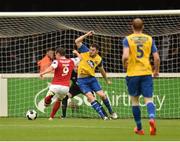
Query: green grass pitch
{"x":77,"y":129}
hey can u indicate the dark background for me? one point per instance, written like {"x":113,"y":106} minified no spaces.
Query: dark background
{"x":86,"y":5}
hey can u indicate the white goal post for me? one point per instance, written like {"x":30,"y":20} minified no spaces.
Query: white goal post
{"x":26,"y":36}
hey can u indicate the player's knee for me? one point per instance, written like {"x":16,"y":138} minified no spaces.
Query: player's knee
{"x":148,"y":100}
{"x":101,"y":94}
{"x":135,"y":100}
{"x":90,"y":97}
{"x":50,"y":93}
{"x":135,"y":103}
{"x":69,"y":95}
{"x":104,"y":97}
{"x":90,"y":100}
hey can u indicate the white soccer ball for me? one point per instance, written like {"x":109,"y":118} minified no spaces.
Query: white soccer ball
{"x":31,"y":114}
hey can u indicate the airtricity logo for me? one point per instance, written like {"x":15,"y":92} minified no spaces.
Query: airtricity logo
{"x":116,"y":99}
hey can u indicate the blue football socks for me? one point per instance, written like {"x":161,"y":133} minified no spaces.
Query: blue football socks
{"x":137,"y":116}
{"x":97,"y":107}
{"x":107,"y":104}
{"x":151,"y":110}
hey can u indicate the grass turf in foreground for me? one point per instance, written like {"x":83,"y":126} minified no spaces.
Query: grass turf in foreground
{"x":21,"y":129}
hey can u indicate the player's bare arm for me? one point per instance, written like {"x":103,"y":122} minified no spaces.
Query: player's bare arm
{"x":103,"y":73}
{"x":125,"y":57}
{"x":156,"y":64}
{"x":77,"y":54}
{"x":80,"y":39}
{"x":48,"y":70}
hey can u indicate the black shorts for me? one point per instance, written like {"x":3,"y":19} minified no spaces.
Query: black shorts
{"x":74,"y":90}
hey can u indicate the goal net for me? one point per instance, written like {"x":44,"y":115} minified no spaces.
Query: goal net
{"x":25,"y":38}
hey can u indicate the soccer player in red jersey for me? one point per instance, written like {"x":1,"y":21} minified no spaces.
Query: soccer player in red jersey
{"x":62,"y":68}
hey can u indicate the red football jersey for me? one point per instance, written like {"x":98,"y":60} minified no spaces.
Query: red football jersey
{"x":63,"y":69}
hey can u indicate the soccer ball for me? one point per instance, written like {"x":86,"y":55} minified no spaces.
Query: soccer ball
{"x":31,"y":114}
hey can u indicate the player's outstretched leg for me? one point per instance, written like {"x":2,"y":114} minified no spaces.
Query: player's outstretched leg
{"x":64,"y":106}
{"x":137,"y":117}
{"x":103,"y":110}
{"x":55,"y":109}
{"x":151,"y":112}
{"x":98,"y":109}
{"x":47,"y":100}
{"x":107,"y":104}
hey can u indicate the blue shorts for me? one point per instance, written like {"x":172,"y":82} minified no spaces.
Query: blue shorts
{"x":138,"y":85}
{"x":88,"y":84}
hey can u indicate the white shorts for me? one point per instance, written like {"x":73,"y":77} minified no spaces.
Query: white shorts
{"x":59,"y":90}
